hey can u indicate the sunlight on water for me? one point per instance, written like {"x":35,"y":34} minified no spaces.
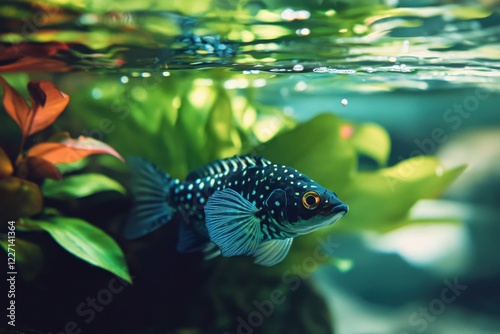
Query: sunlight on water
{"x":362,"y":48}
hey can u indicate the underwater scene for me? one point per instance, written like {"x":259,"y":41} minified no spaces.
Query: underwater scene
{"x":250,"y":166}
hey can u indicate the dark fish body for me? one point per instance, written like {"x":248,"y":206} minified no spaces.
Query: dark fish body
{"x":245,"y":205}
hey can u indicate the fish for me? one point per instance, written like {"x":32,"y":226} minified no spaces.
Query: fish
{"x":239,"y":206}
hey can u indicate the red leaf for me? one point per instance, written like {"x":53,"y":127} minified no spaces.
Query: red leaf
{"x":71,"y":150}
{"x":48,"y":103}
{"x":39,"y":50}
{"x":33,"y":57}
{"x":29,"y":64}
{"x":6,"y":168}
{"x":14,"y":104}
{"x":19,"y":198}
{"x":39,"y":168}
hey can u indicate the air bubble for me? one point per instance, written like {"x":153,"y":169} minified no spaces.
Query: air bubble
{"x":298,"y":67}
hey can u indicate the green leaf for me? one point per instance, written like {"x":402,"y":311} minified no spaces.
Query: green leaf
{"x":380,"y":200}
{"x":80,"y":186}
{"x":373,"y":141}
{"x":73,"y":167}
{"x":29,"y":257}
{"x":85,"y":241}
{"x":316,"y":149}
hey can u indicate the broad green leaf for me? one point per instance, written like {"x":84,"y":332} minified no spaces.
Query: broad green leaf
{"x":85,"y":241}
{"x":80,"y":186}
{"x":73,"y":166}
{"x":29,"y":257}
{"x":383,"y":198}
{"x":316,"y":149}
{"x":373,"y":141}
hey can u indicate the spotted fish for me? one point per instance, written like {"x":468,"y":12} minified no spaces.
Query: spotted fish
{"x":245,"y":205}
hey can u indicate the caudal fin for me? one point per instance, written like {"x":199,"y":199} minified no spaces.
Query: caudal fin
{"x":150,"y":188}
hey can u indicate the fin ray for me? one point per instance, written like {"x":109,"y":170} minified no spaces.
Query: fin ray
{"x":227,"y":165}
{"x":232,"y":224}
{"x":271,"y":252}
{"x":150,"y":188}
{"x":210,"y":251}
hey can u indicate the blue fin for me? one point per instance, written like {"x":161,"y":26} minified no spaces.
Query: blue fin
{"x":272,"y":252}
{"x":229,"y":164}
{"x":190,"y":240}
{"x":232,"y":224}
{"x":210,"y":251}
{"x":150,"y":188}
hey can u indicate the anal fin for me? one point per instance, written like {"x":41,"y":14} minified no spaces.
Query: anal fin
{"x":272,"y":252}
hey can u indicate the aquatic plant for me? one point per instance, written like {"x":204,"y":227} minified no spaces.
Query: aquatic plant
{"x":151,"y":103}
{"x":21,"y":198}
{"x":188,"y":120}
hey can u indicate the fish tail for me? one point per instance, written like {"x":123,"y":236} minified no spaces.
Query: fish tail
{"x":152,"y":207}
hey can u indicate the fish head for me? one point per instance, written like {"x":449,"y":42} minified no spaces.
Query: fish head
{"x":299,"y":205}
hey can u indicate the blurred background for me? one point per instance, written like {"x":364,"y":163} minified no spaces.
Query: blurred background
{"x":391,"y":104}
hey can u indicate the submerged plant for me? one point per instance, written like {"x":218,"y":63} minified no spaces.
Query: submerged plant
{"x":187,"y":122}
{"x":21,"y":198}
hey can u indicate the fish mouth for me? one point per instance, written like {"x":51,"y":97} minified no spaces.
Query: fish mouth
{"x":339,"y":209}
{"x":332,"y":215}
{"x":337,"y":216}
{"x":338,"y":212}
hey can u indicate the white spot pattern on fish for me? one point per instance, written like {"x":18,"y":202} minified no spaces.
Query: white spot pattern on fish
{"x":245,"y":205}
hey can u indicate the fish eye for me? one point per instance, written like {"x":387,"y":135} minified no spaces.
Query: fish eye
{"x":310,"y":200}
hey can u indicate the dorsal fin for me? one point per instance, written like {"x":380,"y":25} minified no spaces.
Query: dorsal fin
{"x":229,"y":164}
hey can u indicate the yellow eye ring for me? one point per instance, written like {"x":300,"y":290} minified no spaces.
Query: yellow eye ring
{"x":311,"y":200}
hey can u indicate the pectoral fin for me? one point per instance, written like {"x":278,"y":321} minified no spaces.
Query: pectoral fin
{"x":232,"y":224}
{"x":272,"y":252}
